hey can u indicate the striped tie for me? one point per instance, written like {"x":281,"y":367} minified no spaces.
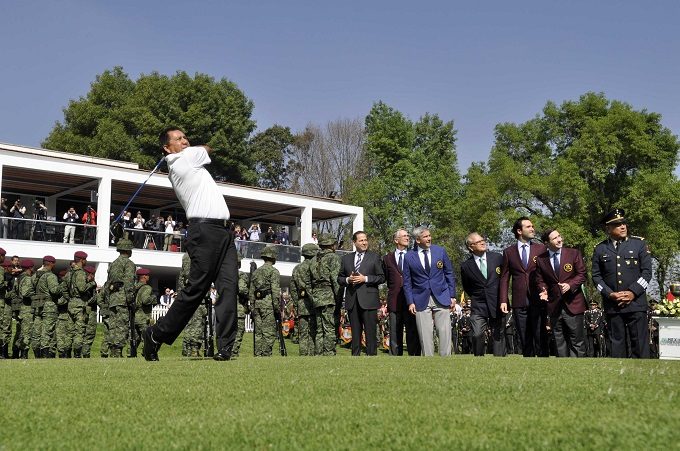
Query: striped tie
{"x":358,"y":263}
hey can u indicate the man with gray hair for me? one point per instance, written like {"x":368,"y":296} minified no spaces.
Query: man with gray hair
{"x":430,"y":290}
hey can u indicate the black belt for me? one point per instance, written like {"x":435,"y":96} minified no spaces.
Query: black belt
{"x":222,"y":222}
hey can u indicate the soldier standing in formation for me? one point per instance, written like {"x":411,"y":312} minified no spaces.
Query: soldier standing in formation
{"x":324,"y":270}
{"x":105,"y":314}
{"x":265,"y":292}
{"x":300,"y":293}
{"x":595,"y":334}
{"x":3,"y":295}
{"x":24,"y":290}
{"x":144,"y":300}
{"x":90,"y":313}
{"x":119,"y":292}
{"x":242,"y":308}
{"x":71,"y":325}
{"x":12,"y":308}
{"x":47,"y":292}
{"x":192,"y":338}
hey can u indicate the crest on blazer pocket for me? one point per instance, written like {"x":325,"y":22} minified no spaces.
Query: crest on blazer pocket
{"x":440,"y":264}
{"x":498,"y":270}
{"x":568,"y":267}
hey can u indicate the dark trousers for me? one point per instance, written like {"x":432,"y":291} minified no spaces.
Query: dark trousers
{"x":366,"y":320}
{"x":530,"y":325}
{"x":480,"y":324}
{"x":569,"y":333}
{"x":398,"y":322}
{"x":635,"y":324}
{"x":213,"y":259}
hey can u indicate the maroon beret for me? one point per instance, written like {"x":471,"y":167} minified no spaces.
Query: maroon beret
{"x":49,"y":259}
{"x":27,"y":263}
{"x":2,"y":252}
{"x":90,"y":269}
{"x":143,"y":272}
{"x":80,"y":254}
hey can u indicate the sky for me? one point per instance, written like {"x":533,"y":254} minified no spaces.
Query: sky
{"x":475,"y":63}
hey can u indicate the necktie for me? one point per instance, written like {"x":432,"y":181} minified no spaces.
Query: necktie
{"x":525,"y":257}
{"x":401,"y":262}
{"x":358,"y":263}
{"x":427,"y":261}
{"x":556,"y":264}
{"x":482,"y":266}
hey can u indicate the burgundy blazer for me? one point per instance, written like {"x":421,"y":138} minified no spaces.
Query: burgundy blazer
{"x":396,"y":301}
{"x":523,"y":280}
{"x":572,"y":271}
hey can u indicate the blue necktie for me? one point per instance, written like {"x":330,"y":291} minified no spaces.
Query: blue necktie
{"x":427,"y":261}
{"x":358,"y":263}
{"x":525,"y":257}
{"x":556,"y":264}
{"x":401,"y":262}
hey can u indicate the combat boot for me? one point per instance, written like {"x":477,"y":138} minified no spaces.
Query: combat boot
{"x":15,"y":352}
{"x":37,"y":353}
{"x":76,"y":353}
{"x":24,"y":353}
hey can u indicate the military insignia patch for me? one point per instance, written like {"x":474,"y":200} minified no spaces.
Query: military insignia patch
{"x":568,"y":267}
{"x":498,"y":270}
{"x":440,"y":264}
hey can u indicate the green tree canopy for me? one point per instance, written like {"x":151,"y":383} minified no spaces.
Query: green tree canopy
{"x":272,"y":152}
{"x":121,"y":119}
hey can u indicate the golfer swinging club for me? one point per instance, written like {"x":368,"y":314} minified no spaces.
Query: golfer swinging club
{"x":209,"y":244}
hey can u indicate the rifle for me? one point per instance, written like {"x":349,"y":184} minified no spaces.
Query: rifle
{"x":279,"y":326}
{"x":132,"y":308}
{"x":253,"y":267}
{"x":208,"y":333}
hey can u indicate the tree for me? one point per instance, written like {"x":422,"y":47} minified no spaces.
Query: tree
{"x":120,"y":118}
{"x":574,"y":163}
{"x":271,"y":150}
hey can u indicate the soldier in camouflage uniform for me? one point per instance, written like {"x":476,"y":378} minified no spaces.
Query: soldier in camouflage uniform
{"x":301,"y":297}
{"x":105,"y":313}
{"x":191,"y":330}
{"x":119,"y":293}
{"x":264,"y":295}
{"x":71,"y":324}
{"x":144,"y":302}
{"x":12,"y":309}
{"x":3,"y":294}
{"x":47,"y":291}
{"x":90,"y":298}
{"x":324,"y":270}
{"x":25,"y":290}
{"x":242,"y":308}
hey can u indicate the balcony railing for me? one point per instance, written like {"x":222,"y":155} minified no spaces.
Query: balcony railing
{"x":46,"y":230}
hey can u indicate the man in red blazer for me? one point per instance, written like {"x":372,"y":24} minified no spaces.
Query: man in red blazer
{"x":519,"y":265}
{"x":560,"y":273}
{"x":399,"y":316}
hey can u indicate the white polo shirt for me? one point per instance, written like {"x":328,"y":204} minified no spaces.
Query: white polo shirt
{"x":194,"y":186}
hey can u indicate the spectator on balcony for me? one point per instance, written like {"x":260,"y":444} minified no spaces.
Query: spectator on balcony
{"x":254,"y":232}
{"x":270,"y":236}
{"x":127,"y":223}
{"x":139,"y":235}
{"x":283,"y":236}
{"x":90,"y":221}
{"x":4,"y":213}
{"x":169,"y":232}
{"x":70,"y":218}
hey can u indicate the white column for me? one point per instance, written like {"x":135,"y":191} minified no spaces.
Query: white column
{"x":102,"y":273}
{"x":358,"y":222}
{"x":306,"y":226}
{"x":103,"y":212}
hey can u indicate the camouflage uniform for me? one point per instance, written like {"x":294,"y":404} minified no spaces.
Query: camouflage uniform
{"x":11,"y":311}
{"x":195,"y":330}
{"x":242,"y":311}
{"x":25,"y":291}
{"x":90,"y":298}
{"x":105,"y":313}
{"x":144,"y":303}
{"x":301,"y":297}
{"x":119,"y":292}
{"x":264,"y":294}
{"x":3,"y":294}
{"x":324,"y":270}
{"x":72,"y":322}
{"x":63,"y":328}
{"x":48,"y":291}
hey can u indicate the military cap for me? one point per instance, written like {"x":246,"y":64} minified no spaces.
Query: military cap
{"x":143,"y":272}
{"x":2,"y":252}
{"x":90,"y":269}
{"x":593,"y":302}
{"x":124,"y":245}
{"x":310,"y":250}
{"x":49,"y":259}
{"x":327,"y":239}
{"x":616,"y":216}
{"x":80,"y":254}
{"x":27,"y":263}
{"x":269,"y":252}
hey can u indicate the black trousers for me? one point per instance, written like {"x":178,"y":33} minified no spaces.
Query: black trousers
{"x":366,"y":320}
{"x":530,"y":325}
{"x":480,"y":323}
{"x":569,"y":333}
{"x":213,"y":259}
{"x":398,"y":322}
{"x":636,"y":326}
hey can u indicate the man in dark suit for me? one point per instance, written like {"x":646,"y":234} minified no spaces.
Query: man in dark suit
{"x":519,"y":265}
{"x":430,"y":290}
{"x":560,"y":273}
{"x":622,"y":269}
{"x":361,"y":273}
{"x":480,"y":275}
{"x":399,"y":316}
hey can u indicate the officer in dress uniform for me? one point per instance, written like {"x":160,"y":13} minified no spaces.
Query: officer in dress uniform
{"x":622,"y":269}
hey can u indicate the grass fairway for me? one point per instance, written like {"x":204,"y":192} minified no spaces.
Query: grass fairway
{"x":460,"y":402}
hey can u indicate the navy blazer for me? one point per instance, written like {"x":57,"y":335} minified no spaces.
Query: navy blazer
{"x":482,"y":291}
{"x":440,"y":283}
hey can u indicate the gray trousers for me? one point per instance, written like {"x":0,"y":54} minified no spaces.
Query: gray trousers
{"x":434,"y":316}
{"x":480,"y":324}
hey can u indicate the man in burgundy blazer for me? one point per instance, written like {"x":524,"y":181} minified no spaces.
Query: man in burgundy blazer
{"x":399,"y":316}
{"x":560,"y":273}
{"x":519,"y":265}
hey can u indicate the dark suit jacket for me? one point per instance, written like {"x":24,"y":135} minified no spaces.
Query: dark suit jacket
{"x":440,"y":283}
{"x":366,"y":293}
{"x":482,"y":291}
{"x":396,"y":301}
{"x":572,"y":271}
{"x":523,"y":280}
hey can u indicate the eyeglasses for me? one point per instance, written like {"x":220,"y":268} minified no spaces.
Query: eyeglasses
{"x":478,"y":242}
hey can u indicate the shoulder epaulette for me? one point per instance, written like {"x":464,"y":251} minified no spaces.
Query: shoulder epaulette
{"x":637,"y":237}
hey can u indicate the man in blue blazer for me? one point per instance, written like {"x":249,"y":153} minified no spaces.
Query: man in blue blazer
{"x":430,"y":290}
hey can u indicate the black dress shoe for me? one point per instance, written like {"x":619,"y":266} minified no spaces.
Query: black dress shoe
{"x":150,"y":351}
{"x":222,"y":356}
